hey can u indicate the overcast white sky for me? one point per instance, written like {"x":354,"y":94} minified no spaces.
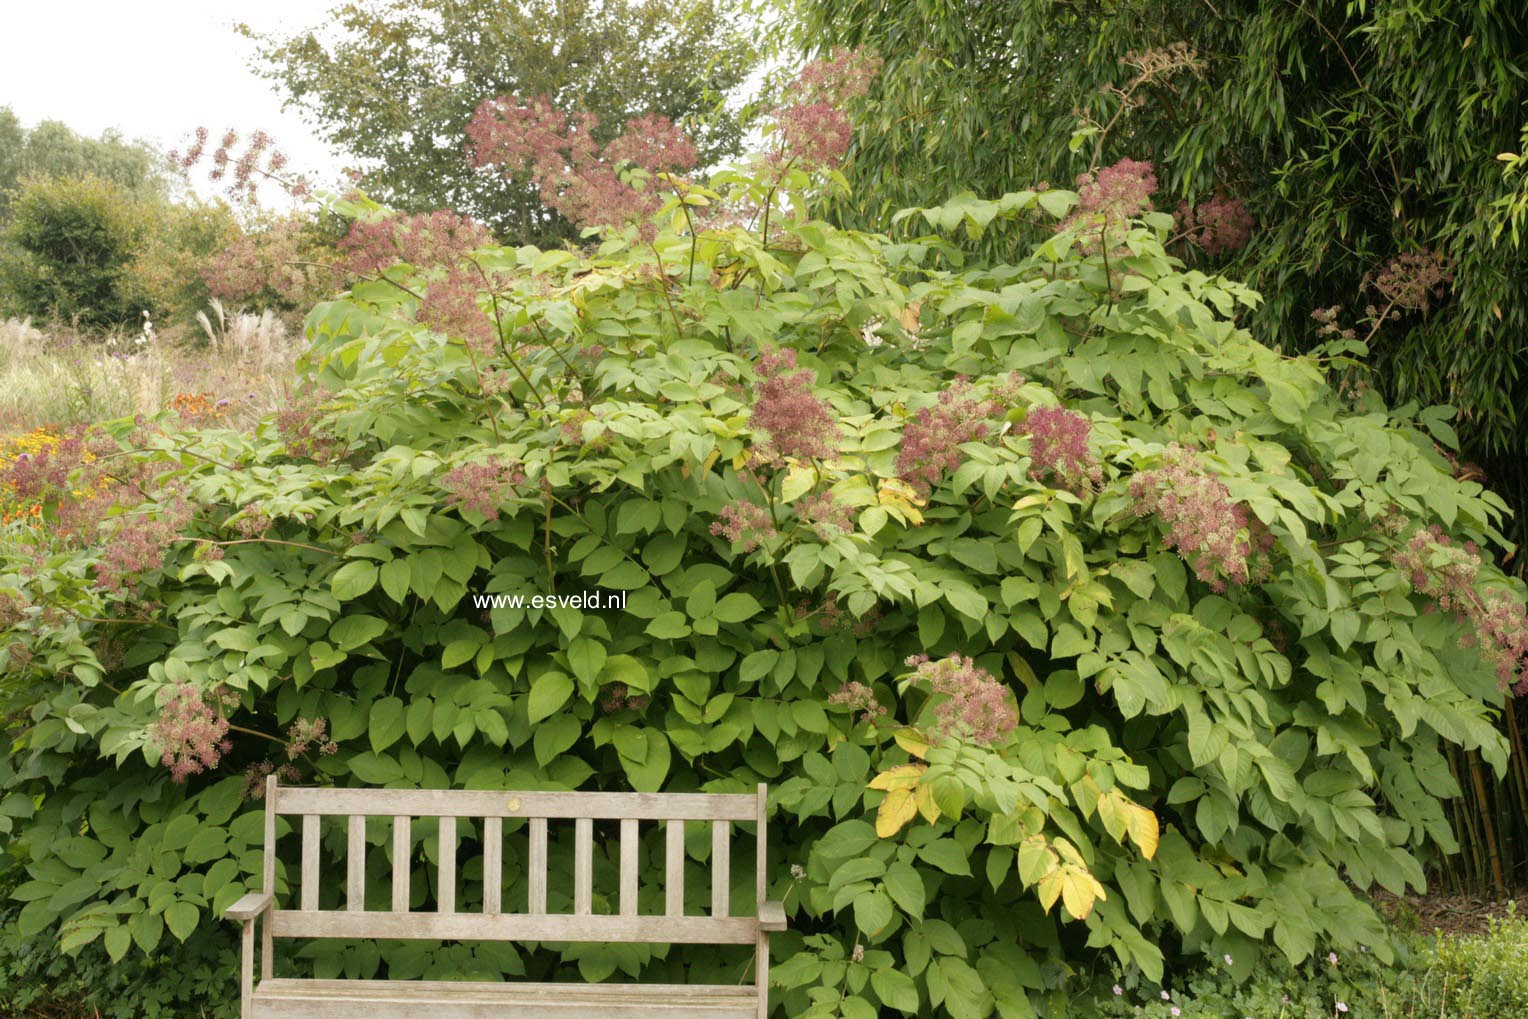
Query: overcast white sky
{"x":153,"y":69}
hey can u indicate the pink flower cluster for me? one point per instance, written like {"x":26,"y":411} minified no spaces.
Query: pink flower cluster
{"x":620,"y":698}
{"x":825,"y":515}
{"x":1108,"y":200}
{"x":577,"y":177}
{"x":301,"y":427}
{"x":931,"y":441}
{"x":797,"y":422}
{"x":139,"y":544}
{"x":858,"y":697}
{"x":483,"y":487}
{"x":812,"y":126}
{"x":191,"y":731}
{"x":744,"y":523}
{"x":274,"y":264}
{"x":309,"y":732}
{"x":422,"y":240}
{"x":1218,"y":226}
{"x":1058,"y":446}
{"x":255,"y":774}
{"x":973,"y":705}
{"x":246,"y":169}
{"x":830,"y":617}
{"x":1210,"y":531}
{"x":1449,"y":574}
{"x":450,"y":307}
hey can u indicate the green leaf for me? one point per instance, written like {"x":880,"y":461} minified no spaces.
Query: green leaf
{"x":947,"y":855}
{"x":895,"y":989}
{"x":181,"y":918}
{"x":387,"y":723}
{"x":872,"y":911}
{"x":549,"y":693}
{"x":736,"y":607}
{"x":353,"y":579}
{"x":905,"y":887}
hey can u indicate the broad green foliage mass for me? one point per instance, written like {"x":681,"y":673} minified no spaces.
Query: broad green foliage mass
{"x":1211,"y":754}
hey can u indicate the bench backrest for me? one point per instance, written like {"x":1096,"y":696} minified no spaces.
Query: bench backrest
{"x":498,"y":920}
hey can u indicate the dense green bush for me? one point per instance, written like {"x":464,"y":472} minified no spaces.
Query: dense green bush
{"x":1181,"y":696}
{"x":71,"y":241}
{"x":1491,"y":970}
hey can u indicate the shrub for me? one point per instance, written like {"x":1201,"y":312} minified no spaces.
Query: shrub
{"x":165,"y":275}
{"x":1491,"y":969}
{"x":1153,"y":677}
{"x":72,"y":239}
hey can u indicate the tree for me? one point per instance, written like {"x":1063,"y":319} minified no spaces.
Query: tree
{"x":1363,"y":138}
{"x":51,"y":149}
{"x":399,"y":84}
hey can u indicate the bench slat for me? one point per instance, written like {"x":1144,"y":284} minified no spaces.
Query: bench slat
{"x":583,"y":866}
{"x":489,"y":803}
{"x":537,"y":903}
{"x":445,"y":888}
{"x":629,"y":867}
{"x":310,"y":861}
{"x":355,"y":864}
{"x":408,"y":999}
{"x":721,"y":868}
{"x":493,"y":864}
{"x":673,"y":870}
{"x":401,"y":841}
{"x":674,"y":930}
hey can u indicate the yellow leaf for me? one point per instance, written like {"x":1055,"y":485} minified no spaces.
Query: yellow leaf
{"x":902,"y":499}
{"x":798,"y":482}
{"x":924,"y":796}
{"x":903,"y":776}
{"x":1142,"y":824}
{"x":908,"y":317}
{"x":896,"y":810}
{"x":912,"y":741}
{"x":1079,"y":890}
{"x":1109,"y":812}
{"x":1049,"y":888}
{"x":711,"y":459}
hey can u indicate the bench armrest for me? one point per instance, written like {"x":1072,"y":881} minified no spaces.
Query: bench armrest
{"x":771,"y":916}
{"x":249,"y":907}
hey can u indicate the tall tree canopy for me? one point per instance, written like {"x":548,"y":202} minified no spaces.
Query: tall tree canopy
{"x":1362,"y":138}
{"x":51,"y":149}
{"x":398,"y":81}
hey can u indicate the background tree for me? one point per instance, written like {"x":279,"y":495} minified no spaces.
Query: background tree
{"x":1363,"y":138}
{"x":399,"y":83}
{"x":51,"y":149}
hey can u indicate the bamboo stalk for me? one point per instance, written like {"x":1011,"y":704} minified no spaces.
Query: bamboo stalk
{"x":1493,"y":847}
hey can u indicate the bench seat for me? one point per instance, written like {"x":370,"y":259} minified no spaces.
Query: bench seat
{"x":416,"y":999}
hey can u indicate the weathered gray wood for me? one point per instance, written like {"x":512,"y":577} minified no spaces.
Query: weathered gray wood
{"x":445,"y":887}
{"x":493,"y":865}
{"x":485,"y":803}
{"x":673,"y":869}
{"x":381,"y":999}
{"x":537,"y":903}
{"x":355,"y":864}
{"x":721,"y":868}
{"x":629,"y":849}
{"x":583,"y":866}
{"x":668,"y":930}
{"x":268,"y":875}
{"x":401,"y":840}
{"x":761,"y":946}
{"x":248,"y":906}
{"x":247,"y":970}
{"x":772,"y":916}
{"x":310,"y":861}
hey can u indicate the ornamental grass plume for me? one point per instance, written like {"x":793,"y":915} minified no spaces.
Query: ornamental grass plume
{"x":972,"y":704}
{"x":931,"y":441}
{"x":1449,"y":576}
{"x":191,"y":731}
{"x":1202,"y":522}
{"x":796,"y":422}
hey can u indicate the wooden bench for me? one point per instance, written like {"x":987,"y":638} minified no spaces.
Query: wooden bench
{"x":282,"y":998}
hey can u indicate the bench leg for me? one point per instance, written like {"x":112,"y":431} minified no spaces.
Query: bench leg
{"x":761,"y":971}
{"x":247,"y":972}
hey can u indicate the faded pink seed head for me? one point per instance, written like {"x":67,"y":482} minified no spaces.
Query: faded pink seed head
{"x":423,"y":240}
{"x":1108,"y":200}
{"x":1219,"y":225}
{"x":825,"y":515}
{"x":931,"y":441}
{"x":971,"y":703}
{"x":796,"y":422}
{"x":812,"y":125}
{"x":744,"y":523}
{"x":858,"y":698}
{"x":1058,"y":447}
{"x":1201,"y":521}
{"x":483,"y":487}
{"x":191,"y":731}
